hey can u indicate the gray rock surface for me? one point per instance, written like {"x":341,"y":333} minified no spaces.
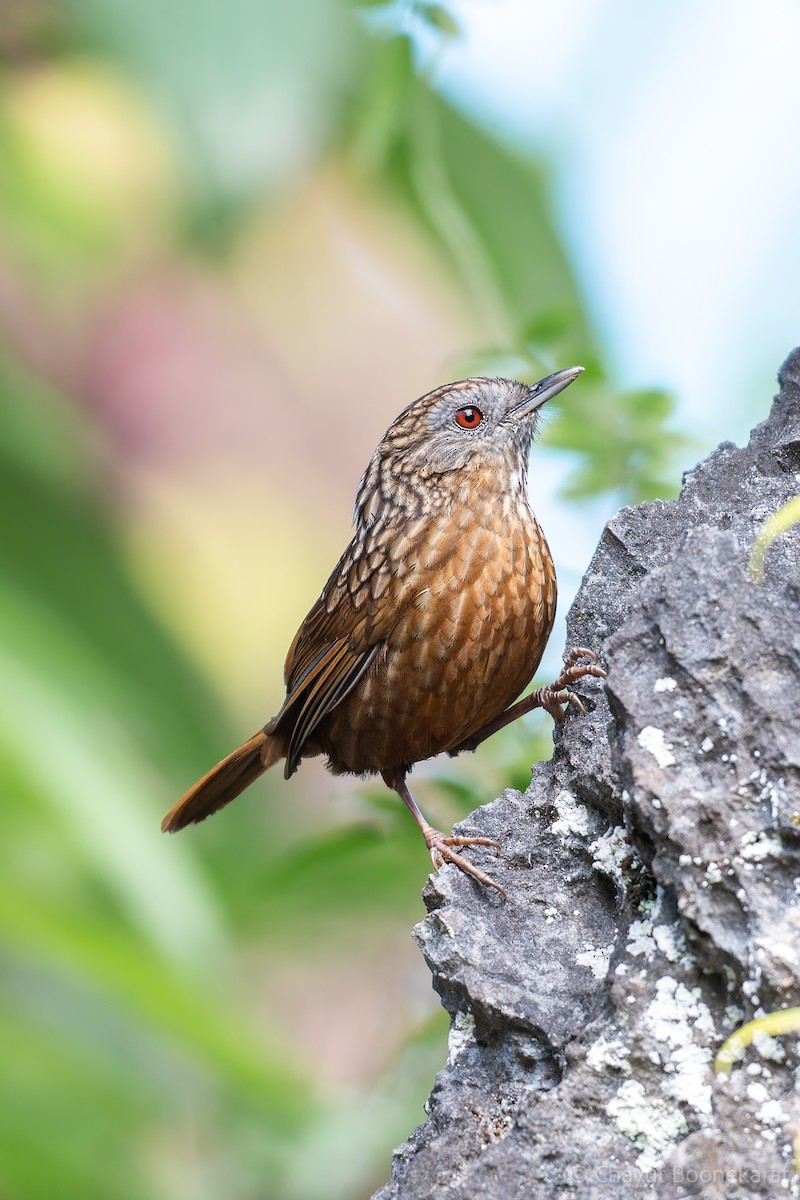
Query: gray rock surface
{"x":652,"y":870}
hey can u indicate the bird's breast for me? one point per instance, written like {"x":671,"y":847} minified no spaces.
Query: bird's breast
{"x":472,"y":596}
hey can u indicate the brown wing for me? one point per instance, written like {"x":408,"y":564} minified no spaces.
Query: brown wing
{"x":332,"y":650}
{"x":332,"y":675}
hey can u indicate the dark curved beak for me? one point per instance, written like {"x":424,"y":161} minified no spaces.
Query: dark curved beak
{"x":544,"y":390}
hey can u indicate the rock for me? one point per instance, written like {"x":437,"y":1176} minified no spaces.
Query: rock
{"x":652,"y":870}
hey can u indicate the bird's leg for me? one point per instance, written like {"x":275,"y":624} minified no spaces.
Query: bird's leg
{"x":438,"y":843}
{"x":551,"y":698}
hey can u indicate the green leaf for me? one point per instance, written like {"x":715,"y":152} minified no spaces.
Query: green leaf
{"x":438,"y":18}
{"x":487,"y":208}
{"x":784,"y":519}
{"x":622,"y":441}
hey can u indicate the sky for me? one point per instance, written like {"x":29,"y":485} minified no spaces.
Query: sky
{"x":672,"y":132}
{"x":673,"y":136}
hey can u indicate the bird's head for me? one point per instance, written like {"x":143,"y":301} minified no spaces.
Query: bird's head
{"x":481,"y":426}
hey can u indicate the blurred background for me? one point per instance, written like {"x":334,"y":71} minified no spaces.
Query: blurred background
{"x":235,"y":240}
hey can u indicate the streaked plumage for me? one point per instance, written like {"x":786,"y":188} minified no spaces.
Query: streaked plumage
{"x":435,"y":617}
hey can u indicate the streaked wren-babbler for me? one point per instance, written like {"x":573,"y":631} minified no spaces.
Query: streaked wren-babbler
{"x":435,"y":617}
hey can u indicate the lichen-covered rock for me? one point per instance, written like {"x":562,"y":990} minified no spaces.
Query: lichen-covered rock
{"x":652,"y":871}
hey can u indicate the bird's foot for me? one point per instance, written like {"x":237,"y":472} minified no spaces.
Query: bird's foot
{"x":440,"y":845}
{"x":555,"y":695}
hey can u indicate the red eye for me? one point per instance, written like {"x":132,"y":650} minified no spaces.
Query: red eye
{"x":469,"y":418}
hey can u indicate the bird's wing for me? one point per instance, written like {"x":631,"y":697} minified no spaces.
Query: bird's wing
{"x":332,"y":650}
{"x":333,"y":674}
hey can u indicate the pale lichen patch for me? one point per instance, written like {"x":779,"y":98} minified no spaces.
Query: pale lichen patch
{"x":461,"y":1035}
{"x":597,"y":959}
{"x":573,"y":817}
{"x":611,"y":851}
{"x":654,"y":741}
{"x":652,"y":1122}
{"x":756,"y":847}
{"x":607,"y":1054}
{"x":681,"y":1023}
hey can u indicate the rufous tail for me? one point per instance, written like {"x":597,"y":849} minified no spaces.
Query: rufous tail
{"x":225,"y":781}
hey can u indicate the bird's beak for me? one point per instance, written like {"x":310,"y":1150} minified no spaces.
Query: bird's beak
{"x":544,"y":390}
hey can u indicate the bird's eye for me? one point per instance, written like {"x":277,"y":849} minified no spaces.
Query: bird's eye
{"x":468,"y":418}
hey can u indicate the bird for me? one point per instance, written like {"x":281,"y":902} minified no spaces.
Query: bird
{"x":435,"y":617}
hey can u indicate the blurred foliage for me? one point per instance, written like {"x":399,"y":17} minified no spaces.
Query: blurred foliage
{"x":134,"y":1058}
{"x":488,"y":211}
{"x":95,"y":697}
{"x":120,"y":1015}
{"x":252,"y":91}
{"x":621,"y":441}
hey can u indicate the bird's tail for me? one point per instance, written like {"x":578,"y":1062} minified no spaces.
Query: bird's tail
{"x":225,"y":781}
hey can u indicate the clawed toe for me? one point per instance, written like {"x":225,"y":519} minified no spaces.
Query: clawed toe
{"x":453,"y":840}
{"x":574,"y":669}
{"x":559,"y":693}
{"x":441,"y":852}
{"x":554,"y":700}
{"x":571,"y":656}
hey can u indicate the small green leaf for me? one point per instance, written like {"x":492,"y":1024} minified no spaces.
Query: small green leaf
{"x":770,"y":531}
{"x":439,"y":18}
{"x":774,"y":1024}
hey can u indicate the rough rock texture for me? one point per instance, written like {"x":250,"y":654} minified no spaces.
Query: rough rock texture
{"x":652,"y":870}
